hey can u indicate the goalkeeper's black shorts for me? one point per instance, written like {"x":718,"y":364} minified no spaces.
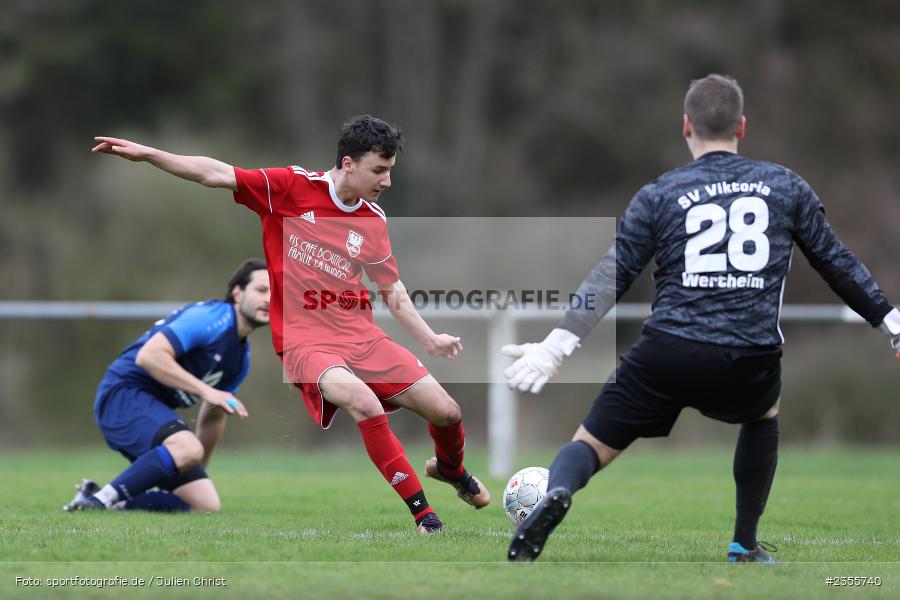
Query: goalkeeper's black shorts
{"x":663,"y":374}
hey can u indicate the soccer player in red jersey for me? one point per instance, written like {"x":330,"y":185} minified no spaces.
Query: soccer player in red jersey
{"x":321,"y":232}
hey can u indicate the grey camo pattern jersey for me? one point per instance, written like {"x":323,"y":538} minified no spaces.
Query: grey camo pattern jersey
{"x":721,"y":232}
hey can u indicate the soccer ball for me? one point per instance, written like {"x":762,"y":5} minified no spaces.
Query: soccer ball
{"x":524,"y":490}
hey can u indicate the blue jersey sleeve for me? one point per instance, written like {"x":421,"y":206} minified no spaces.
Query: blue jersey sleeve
{"x":233,"y":386}
{"x":198,"y":325}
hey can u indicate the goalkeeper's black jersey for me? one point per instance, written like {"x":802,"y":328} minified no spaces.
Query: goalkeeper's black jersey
{"x":721,"y":231}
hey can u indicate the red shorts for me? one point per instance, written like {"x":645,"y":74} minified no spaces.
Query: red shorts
{"x":386,"y":367}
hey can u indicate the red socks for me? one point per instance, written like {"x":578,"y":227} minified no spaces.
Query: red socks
{"x":449,"y":441}
{"x":389,"y":458}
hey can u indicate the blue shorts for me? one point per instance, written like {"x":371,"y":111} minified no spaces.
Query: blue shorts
{"x":132,"y":420}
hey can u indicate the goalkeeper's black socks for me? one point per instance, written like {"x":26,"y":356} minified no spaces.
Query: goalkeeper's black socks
{"x":573,"y":467}
{"x":755,"y":458}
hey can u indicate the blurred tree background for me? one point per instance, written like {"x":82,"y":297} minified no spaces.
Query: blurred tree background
{"x":525,"y":108}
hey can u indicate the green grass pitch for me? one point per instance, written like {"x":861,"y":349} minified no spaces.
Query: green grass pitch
{"x":324,"y":524}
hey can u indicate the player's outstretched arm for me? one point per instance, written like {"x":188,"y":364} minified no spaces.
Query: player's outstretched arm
{"x":211,"y":421}
{"x":537,"y":363}
{"x":202,"y":169}
{"x":402,"y":309}
{"x":841,"y":269}
{"x":608,"y":280}
{"x":157,"y":357}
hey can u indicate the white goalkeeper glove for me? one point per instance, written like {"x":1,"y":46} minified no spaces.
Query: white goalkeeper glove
{"x":538,"y":362}
{"x":891,"y":328}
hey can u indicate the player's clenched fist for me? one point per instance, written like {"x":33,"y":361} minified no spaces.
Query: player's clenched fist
{"x":448,"y":346}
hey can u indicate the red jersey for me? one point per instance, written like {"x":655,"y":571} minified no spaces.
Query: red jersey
{"x":317,"y":249}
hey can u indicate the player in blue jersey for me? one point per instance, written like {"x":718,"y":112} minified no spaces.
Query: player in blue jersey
{"x":721,"y":230}
{"x":199,"y":353}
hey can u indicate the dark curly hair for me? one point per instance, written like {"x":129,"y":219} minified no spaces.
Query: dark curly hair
{"x":365,"y":133}
{"x":242,"y":276}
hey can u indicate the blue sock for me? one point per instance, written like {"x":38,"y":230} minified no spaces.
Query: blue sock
{"x":574,"y":465}
{"x":151,"y":469}
{"x":157,"y":501}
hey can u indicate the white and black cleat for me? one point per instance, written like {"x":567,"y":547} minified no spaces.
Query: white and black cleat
{"x":83,"y":496}
{"x":532,"y":533}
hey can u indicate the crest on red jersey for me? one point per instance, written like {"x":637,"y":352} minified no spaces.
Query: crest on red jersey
{"x":354,"y":243}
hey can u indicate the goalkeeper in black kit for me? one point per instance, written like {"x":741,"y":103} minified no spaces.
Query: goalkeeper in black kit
{"x":721,"y":231}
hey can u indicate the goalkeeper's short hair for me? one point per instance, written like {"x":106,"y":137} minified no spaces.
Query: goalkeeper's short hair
{"x":715,"y":105}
